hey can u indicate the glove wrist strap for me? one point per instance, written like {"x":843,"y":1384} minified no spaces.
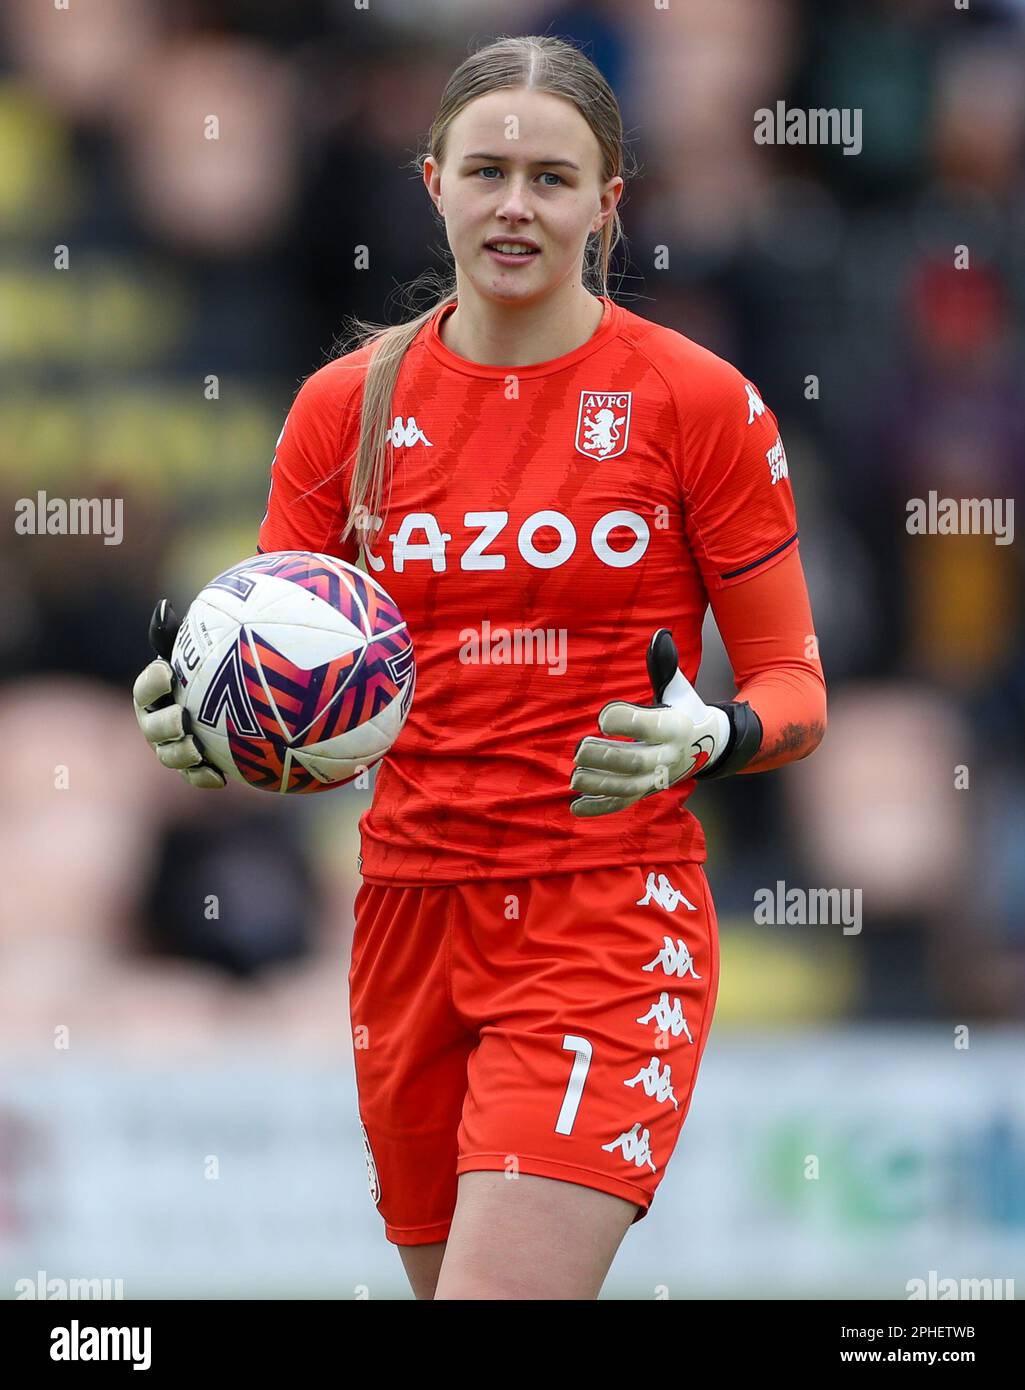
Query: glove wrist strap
{"x":744,"y":742}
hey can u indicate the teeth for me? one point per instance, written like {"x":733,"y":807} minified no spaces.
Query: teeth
{"x":511,"y":248}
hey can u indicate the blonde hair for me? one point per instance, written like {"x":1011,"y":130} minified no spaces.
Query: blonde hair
{"x":541,"y":64}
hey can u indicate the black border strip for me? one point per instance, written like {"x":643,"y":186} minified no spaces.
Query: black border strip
{"x":732,"y":574}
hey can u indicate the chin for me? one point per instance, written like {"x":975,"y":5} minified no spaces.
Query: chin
{"x":506,"y":290}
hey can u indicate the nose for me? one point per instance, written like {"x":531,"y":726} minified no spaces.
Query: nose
{"x":514,"y":204}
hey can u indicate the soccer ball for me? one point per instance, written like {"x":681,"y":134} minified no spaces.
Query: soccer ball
{"x":297,"y":671}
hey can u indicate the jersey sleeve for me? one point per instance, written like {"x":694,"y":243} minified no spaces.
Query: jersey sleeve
{"x":739,"y":510}
{"x":307,"y":505}
{"x":769,"y":635}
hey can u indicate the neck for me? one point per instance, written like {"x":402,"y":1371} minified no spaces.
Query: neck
{"x":519,"y":335}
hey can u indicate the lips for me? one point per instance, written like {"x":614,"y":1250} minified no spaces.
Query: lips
{"x":530,"y":246}
{"x":510,"y":260}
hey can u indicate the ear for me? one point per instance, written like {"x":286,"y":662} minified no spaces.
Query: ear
{"x":610,"y":197}
{"x":432,"y":181}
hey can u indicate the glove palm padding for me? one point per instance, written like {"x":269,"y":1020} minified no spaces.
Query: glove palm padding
{"x":165,"y":725}
{"x":673,"y":740}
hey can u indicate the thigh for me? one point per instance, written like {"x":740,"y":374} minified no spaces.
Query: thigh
{"x":594,"y":994}
{"x":422,"y":1264}
{"x":530,"y":1238}
{"x":410,"y":1051}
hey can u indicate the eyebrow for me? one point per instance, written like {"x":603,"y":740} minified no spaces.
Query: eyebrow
{"x":504,"y":159}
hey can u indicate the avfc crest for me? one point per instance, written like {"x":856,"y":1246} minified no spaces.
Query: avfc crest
{"x":372,"y":1179}
{"x":603,"y":423}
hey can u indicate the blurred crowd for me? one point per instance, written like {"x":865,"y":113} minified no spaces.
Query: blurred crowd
{"x":205,"y":169}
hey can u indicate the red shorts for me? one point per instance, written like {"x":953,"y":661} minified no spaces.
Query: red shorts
{"x":547,"y":1025}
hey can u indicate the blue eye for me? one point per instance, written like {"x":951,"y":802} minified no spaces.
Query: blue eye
{"x":489,"y":168}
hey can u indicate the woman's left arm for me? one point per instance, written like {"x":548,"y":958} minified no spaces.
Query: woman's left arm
{"x":769,"y":635}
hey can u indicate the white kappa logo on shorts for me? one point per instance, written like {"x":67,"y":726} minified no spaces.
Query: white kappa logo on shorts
{"x":372,"y":1179}
{"x":667,"y":1018}
{"x":636,"y":1147}
{"x":663,"y":893}
{"x":674,"y":959}
{"x":655,"y":1082}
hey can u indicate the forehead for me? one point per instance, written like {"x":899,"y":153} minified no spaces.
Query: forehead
{"x":545,"y":126}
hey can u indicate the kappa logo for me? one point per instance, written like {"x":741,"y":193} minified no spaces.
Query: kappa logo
{"x":656,"y":1083}
{"x":667,"y":1018}
{"x":674,"y":959}
{"x":372,"y":1179}
{"x":663,"y":893}
{"x":755,"y":404}
{"x":404,"y":436}
{"x":603,"y":423}
{"x":636,"y":1147}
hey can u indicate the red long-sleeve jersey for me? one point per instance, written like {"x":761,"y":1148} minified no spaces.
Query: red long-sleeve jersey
{"x":540,"y":524}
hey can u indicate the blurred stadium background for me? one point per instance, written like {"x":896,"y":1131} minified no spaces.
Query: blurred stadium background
{"x":176,"y":1103}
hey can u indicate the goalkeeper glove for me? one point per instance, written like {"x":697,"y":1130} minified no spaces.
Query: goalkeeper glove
{"x":162,"y":720}
{"x":677,"y":738}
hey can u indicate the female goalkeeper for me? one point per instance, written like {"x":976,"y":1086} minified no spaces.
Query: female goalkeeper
{"x":553,"y":489}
